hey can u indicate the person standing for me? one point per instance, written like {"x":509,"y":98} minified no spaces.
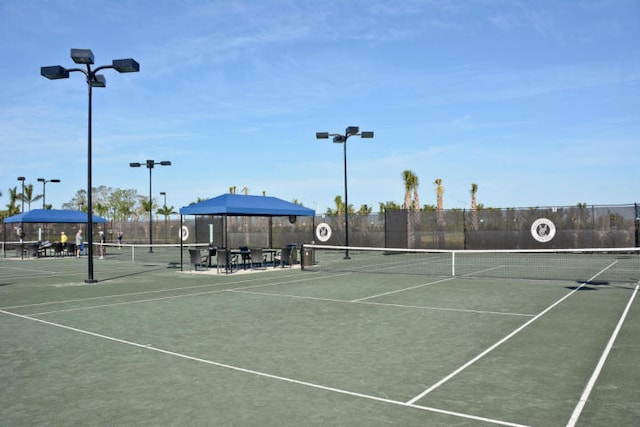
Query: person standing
{"x":120,"y":234}
{"x":63,"y":238}
{"x":103,"y":241}
{"x":79,"y":243}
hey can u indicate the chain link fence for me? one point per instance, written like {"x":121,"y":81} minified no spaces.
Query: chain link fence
{"x":580,"y":226}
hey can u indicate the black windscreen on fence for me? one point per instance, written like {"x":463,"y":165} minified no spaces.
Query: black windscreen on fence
{"x":580,"y":226}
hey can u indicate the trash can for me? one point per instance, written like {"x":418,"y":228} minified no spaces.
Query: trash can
{"x":308,"y":257}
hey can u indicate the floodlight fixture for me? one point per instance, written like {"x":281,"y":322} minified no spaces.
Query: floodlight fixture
{"x":342,"y":139}
{"x":99,"y":81}
{"x":44,"y":186}
{"x":150,"y":164}
{"x":93,"y":79}
{"x":82,"y":56}
{"x":125,"y":65}
{"x":54,"y":72}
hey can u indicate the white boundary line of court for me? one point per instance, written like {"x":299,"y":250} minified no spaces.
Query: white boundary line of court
{"x":265,"y":374}
{"x":503,"y":340}
{"x":605,"y":354}
{"x":126,"y":294}
{"x":151,"y":299}
{"x":457,"y":310}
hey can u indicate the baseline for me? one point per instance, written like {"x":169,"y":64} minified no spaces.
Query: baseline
{"x":265,"y":374}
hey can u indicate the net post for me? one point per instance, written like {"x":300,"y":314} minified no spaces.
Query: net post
{"x":453,"y":263}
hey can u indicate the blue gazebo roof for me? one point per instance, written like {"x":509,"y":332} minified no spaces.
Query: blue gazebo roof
{"x":48,"y":216}
{"x":240,"y":204}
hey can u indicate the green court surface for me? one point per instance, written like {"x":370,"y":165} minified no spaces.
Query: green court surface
{"x":151,"y":345}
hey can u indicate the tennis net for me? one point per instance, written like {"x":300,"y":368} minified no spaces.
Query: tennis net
{"x":150,"y":254}
{"x":583,"y":265}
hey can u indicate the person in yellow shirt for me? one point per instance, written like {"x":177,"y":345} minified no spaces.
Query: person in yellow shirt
{"x":63,"y":238}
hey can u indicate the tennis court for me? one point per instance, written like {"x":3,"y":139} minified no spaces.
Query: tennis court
{"x":379,"y":339}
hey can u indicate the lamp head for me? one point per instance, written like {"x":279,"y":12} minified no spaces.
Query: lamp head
{"x":339,"y":139}
{"x":41,"y":180}
{"x":366,"y":134}
{"x":54,"y":180}
{"x":54,"y":72}
{"x":165,"y":163}
{"x":125,"y":65}
{"x":322,"y":135}
{"x":352,"y":130}
{"x":135,"y":165}
{"x":21,"y":178}
{"x":82,"y":56}
{"x":99,"y":81}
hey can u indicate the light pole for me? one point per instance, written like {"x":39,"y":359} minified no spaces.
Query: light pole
{"x":150,"y":165}
{"x":22,"y":178}
{"x":44,"y":183}
{"x":85,"y":56}
{"x":342,"y":139}
{"x":162,"y":193}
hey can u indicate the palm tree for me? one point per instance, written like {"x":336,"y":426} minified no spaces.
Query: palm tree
{"x":339,"y":205}
{"x":407,"y":177}
{"x":232,"y":189}
{"x":245,"y":191}
{"x":12,"y":208}
{"x":28,"y":195}
{"x":440,"y":208}
{"x":365,"y":210}
{"x":411,"y":183}
{"x":474,"y":207}
{"x":439,"y":194}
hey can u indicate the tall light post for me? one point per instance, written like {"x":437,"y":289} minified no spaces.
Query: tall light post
{"x":22,"y":178}
{"x":162,"y":193}
{"x":150,"y":165}
{"x":342,"y":139}
{"x":44,"y":183}
{"x":93,"y":79}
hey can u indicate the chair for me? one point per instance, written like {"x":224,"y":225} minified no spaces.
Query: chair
{"x":58,"y":248}
{"x":70,"y":249}
{"x":197,"y":259}
{"x":246,"y":256}
{"x":257,"y":257}
{"x":224,"y":260}
{"x":285,"y":256}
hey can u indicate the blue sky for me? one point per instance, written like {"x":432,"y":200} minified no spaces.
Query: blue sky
{"x":537,"y":102}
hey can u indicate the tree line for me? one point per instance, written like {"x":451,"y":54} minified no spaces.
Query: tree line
{"x":127,"y":205}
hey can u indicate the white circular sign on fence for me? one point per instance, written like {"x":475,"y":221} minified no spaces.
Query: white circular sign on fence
{"x":543,"y":230}
{"x":184,"y":233}
{"x":323,"y":232}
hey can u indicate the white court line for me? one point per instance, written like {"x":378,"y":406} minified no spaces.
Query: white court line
{"x":458,"y":310}
{"x":596,"y":373}
{"x":404,"y":289}
{"x":503,"y":340}
{"x":255,"y":279}
{"x":64,"y":310}
{"x":264,"y":374}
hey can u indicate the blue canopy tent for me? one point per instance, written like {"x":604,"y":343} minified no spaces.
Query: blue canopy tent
{"x":244,"y":205}
{"x":47,"y":216}
{"x":239,"y":204}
